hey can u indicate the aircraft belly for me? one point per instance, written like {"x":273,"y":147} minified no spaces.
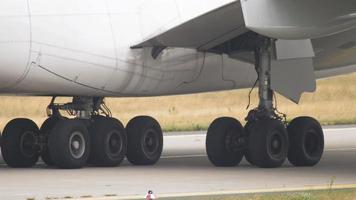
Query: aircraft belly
{"x":184,"y":71}
{"x":15,"y":36}
{"x":180,"y":71}
{"x":51,"y":48}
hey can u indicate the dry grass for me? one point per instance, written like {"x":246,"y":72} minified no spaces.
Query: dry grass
{"x":347,"y":194}
{"x":333,"y":103}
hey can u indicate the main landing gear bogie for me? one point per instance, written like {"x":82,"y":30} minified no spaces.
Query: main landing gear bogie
{"x":265,"y":141}
{"x":92,"y":137}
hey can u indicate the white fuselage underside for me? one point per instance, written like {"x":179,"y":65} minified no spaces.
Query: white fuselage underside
{"x":82,"y":47}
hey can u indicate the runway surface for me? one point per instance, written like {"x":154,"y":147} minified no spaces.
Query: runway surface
{"x":184,"y":168}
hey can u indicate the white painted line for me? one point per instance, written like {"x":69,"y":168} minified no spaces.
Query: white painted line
{"x":341,"y":149}
{"x":184,"y":136}
{"x":234,"y":192}
{"x":340,"y":129}
{"x":199,"y":134}
{"x":204,"y":155}
{"x":184,"y":156}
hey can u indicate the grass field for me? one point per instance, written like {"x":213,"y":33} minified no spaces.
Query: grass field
{"x":333,"y":103}
{"x":347,"y":194}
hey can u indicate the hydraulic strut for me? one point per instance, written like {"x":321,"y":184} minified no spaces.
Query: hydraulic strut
{"x":263,"y":66}
{"x":80,"y":107}
{"x":264,"y":53}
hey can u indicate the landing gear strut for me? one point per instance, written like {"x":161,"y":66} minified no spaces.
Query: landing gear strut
{"x":265,"y":141}
{"x":267,"y":135}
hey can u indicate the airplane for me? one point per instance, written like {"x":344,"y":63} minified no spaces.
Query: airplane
{"x":93,"y":49}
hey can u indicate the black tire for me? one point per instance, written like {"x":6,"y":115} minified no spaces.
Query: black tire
{"x":306,"y":141}
{"x":45,"y":130}
{"x":246,"y":152}
{"x":69,"y":144}
{"x":20,"y":143}
{"x":108,"y":142}
{"x":145,"y":141}
{"x":221,"y":142}
{"x":268,"y":143}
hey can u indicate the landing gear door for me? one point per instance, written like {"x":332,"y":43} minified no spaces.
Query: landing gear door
{"x":292,"y":70}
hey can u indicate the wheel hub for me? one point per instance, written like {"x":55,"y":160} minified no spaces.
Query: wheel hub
{"x":276,"y":144}
{"x":311,"y":142}
{"x":77,"y":145}
{"x":151,"y":142}
{"x":28,"y":144}
{"x":115,"y":143}
{"x":234,"y":142}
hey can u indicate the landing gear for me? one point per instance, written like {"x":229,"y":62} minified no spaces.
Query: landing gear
{"x":91,"y":136}
{"x":88,"y":138}
{"x":267,"y":135}
{"x":20,"y":143}
{"x":145,"y":141}
{"x":265,"y":141}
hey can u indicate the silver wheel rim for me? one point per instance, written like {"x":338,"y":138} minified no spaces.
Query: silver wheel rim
{"x":77,"y":144}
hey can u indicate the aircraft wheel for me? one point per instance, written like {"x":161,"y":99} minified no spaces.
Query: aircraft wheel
{"x":20,"y":143}
{"x":268,"y":143}
{"x":224,"y":142}
{"x":145,"y":141}
{"x":246,"y":152}
{"x":108,"y":142}
{"x":69,"y":144}
{"x":306,"y":141}
{"x":45,"y":130}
